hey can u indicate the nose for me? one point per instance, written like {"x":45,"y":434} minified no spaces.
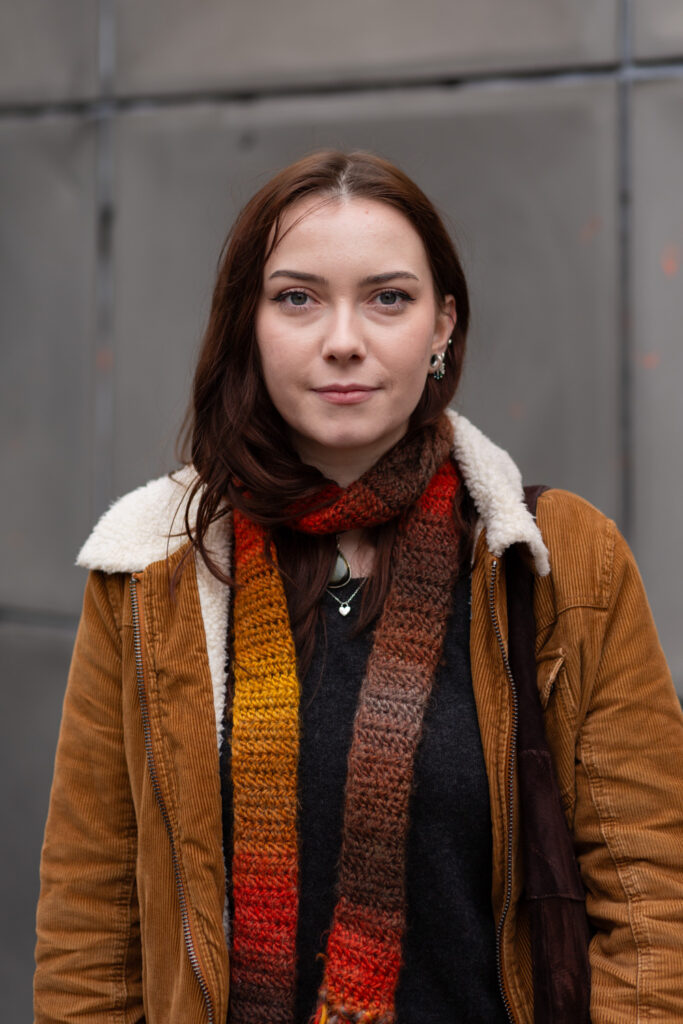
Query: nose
{"x":344,"y":339}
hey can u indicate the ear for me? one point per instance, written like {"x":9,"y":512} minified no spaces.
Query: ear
{"x":446,"y":319}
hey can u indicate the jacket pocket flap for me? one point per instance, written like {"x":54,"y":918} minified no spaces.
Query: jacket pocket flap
{"x":547,"y":670}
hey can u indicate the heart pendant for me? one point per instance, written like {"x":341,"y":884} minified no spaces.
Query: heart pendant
{"x":344,"y":608}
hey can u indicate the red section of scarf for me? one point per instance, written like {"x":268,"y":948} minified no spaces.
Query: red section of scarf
{"x":364,"y":947}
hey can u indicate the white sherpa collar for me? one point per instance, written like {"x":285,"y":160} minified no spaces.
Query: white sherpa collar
{"x":146,"y":526}
{"x":495,"y":486}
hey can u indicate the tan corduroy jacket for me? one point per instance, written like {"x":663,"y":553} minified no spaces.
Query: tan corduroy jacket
{"x":131,"y":912}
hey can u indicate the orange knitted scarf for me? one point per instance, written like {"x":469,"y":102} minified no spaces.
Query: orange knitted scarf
{"x":415,"y":482}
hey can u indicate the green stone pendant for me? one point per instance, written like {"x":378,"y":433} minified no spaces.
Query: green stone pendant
{"x":341,"y":572}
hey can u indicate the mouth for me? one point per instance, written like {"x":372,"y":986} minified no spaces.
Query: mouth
{"x":346,"y":394}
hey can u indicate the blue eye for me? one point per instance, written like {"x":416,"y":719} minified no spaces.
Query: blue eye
{"x":392,"y":297}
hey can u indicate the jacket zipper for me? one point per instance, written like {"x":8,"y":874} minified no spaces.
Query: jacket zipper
{"x":151,"y":765}
{"x":512,"y":754}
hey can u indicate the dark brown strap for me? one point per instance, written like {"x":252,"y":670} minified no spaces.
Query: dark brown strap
{"x":531,"y":495}
{"x":552,"y":883}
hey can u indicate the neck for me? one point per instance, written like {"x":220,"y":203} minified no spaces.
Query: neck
{"x":339,"y":466}
{"x":345,"y":465}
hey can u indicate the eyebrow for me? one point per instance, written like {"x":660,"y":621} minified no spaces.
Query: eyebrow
{"x":390,"y":275}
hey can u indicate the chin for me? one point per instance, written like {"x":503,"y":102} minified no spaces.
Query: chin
{"x":355,"y":444}
{"x":354,"y":438}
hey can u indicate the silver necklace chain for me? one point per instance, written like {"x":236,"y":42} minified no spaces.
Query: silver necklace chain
{"x":345,"y":605}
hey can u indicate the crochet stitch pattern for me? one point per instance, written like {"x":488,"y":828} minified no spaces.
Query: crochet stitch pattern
{"x":417,"y":482}
{"x":265,"y":754}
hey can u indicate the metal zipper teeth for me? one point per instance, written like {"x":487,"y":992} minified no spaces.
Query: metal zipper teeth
{"x":147,"y":732}
{"x":510,"y":787}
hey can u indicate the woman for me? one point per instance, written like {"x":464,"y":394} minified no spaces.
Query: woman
{"x":340,"y":542}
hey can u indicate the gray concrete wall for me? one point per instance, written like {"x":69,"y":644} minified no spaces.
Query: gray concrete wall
{"x":550,"y":132}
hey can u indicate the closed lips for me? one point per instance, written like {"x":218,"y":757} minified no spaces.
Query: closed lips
{"x":345,"y":388}
{"x":346,"y":394}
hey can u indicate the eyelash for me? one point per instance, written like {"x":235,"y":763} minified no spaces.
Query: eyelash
{"x":401,"y":296}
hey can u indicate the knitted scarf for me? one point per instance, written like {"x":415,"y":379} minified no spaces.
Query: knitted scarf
{"x":415,"y":482}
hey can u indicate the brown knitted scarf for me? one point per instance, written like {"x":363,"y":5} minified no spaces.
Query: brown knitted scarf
{"x":415,"y":482}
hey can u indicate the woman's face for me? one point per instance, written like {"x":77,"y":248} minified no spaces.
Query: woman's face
{"x":346,"y":324}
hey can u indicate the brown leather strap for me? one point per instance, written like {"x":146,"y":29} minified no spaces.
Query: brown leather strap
{"x":531,"y":495}
{"x":552,"y":883}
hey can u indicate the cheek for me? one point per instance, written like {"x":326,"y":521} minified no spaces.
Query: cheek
{"x":269,"y":360}
{"x":280,"y":374}
{"x":271,"y":350}
{"x":278,"y":382}
{"x":411,"y":356}
{"x":283,"y":374}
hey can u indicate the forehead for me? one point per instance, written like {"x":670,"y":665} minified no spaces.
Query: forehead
{"x":320,"y":226}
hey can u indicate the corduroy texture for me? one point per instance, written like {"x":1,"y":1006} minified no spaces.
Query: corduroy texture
{"x":416,"y":481}
{"x":108,"y":901}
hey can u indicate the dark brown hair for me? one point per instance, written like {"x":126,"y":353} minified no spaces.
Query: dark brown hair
{"x":237,"y":440}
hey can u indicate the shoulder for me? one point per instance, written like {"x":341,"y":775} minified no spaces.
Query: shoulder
{"x":581,"y":542}
{"x":142,"y":527}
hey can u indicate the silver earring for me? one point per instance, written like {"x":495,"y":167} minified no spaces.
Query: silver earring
{"x":437,"y":365}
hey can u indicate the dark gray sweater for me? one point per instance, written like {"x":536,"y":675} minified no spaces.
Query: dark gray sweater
{"x":449,"y":971}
